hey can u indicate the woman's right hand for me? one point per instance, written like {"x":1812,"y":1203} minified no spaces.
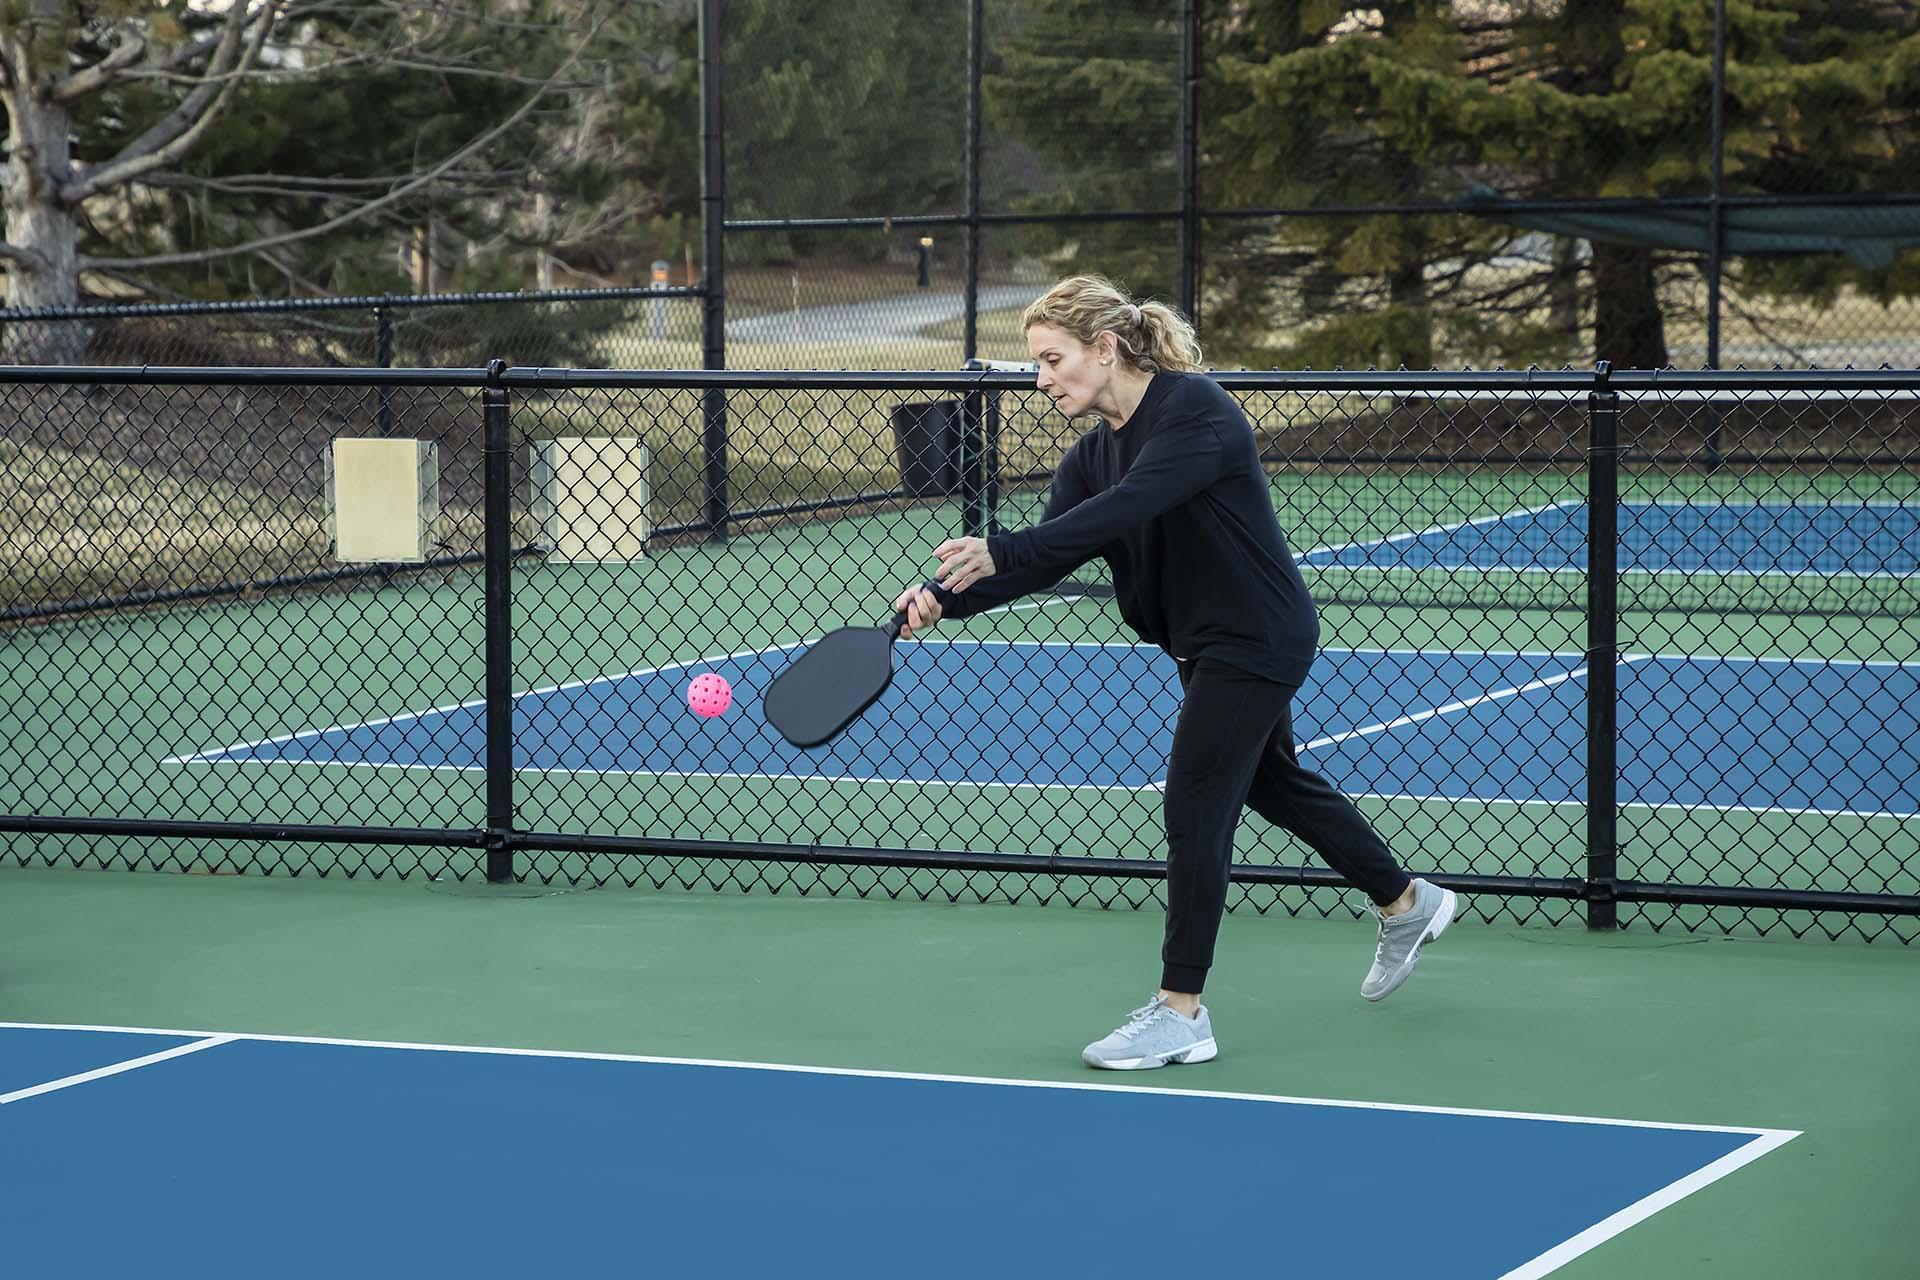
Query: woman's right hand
{"x":920,"y":606}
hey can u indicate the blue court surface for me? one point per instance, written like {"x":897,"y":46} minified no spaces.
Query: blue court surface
{"x":214,"y":1156}
{"x":1755,"y":733}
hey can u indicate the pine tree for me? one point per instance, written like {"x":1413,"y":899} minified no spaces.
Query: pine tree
{"x":1581,"y":99}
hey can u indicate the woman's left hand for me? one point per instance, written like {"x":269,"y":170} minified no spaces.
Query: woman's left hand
{"x":963,"y":562}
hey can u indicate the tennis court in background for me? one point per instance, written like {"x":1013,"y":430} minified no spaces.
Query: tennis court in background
{"x":1825,"y":736}
{"x":1794,"y":735}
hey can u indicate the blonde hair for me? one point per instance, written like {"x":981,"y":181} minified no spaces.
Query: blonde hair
{"x":1152,"y":336}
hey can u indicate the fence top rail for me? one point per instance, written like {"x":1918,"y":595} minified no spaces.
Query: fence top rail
{"x":1566,"y":384}
{"x":216,"y":376}
{"x":1519,"y":384}
{"x":369,"y":302}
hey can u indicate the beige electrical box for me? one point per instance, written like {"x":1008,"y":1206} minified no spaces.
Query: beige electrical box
{"x":383,"y":499}
{"x":590,"y":497}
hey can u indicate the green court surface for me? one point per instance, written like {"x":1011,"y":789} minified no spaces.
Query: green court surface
{"x":1823,"y":1038}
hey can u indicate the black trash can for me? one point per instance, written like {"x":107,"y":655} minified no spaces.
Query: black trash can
{"x":926,"y":440}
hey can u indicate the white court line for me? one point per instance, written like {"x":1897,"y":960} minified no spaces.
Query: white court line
{"x":566,"y":771}
{"x":1491,"y":696}
{"x":209,"y":1041}
{"x":1444,"y":528}
{"x":1656,"y":807}
{"x":1580,"y":571}
{"x":1835,"y":503}
{"x":1099,"y":788}
{"x":209,"y":756}
{"x":222,"y":1037}
{"x":1738,"y":398}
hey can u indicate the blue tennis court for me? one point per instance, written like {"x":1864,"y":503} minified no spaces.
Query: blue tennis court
{"x":1732,"y":732}
{"x":1829,"y":538}
{"x":229,"y":1155}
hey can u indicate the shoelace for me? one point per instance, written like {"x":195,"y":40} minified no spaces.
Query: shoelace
{"x":1137,"y":1020}
{"x":1387,"y":924}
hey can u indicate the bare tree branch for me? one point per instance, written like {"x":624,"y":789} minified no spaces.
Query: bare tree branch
{"x":184,"y":126}
{"x":294,"y":187}
{"x":25,"y":257}
{"x":188,"y":54}
{"x":362,"y":211}
{"x":381,"y":59}
{"x":277,"y":184}
{"x":125,"y":52}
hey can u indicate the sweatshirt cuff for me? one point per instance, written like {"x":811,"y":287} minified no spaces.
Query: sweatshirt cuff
{"x":1006,"y":551}
{"x":948,"y":601}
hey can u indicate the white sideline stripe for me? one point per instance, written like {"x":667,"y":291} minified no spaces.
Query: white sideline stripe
{"x":1492,"y":696}
{"x":1099,"y":788}
{"x":221,"y":1037}
{"x":1797,"y":811}
{"x":1742,"y":397}
{"x":1639,"y":1211}
{"x":1443,"y":528}
{"x":1417,"y":717}
{"x":212,"y":754}
{"x":1632,"y":570}
{"x":209,"y":1041}
{"x":1651,"y":505}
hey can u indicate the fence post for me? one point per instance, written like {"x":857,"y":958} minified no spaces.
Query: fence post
{"x":1189,"y":281}
{"x":973,"y":415}
{"x":970,"y":324}
{"x":713,"y":214}
{"x":499,"y":625}
{"x":383,"y":356}
{"x":1603,"y":643}
{"x":1716,"y":220}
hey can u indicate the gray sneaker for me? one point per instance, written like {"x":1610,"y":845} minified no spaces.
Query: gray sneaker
{"x":1152,"y":1036}
{"x":1402,"y":936}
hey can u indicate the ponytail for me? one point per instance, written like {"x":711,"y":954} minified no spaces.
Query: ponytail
{"x":1151,"y":335}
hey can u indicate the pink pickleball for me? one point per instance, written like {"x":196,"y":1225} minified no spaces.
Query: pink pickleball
{"x":709,"y":695}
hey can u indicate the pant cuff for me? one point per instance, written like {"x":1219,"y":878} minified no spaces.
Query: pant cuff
{"x":1394,"y":896}
{"x":1183,"y":977}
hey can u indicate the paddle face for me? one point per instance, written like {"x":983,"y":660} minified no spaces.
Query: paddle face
{"x":829,"y":685}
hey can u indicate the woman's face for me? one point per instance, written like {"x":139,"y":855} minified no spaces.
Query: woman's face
{"x":1070,"y":371}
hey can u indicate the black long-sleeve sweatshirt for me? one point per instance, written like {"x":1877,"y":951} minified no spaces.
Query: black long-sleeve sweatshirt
{"x":1176,"y":502}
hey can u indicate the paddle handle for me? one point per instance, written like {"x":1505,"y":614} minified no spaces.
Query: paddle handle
{"x":893,"y":628}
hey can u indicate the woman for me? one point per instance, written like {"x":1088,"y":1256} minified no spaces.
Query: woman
{"x":1172,"y":494}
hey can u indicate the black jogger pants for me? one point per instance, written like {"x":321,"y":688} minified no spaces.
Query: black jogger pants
{"x":1233,"y":748}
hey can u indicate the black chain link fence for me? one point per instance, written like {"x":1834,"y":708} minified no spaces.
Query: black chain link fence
{"x":1636,"y":648}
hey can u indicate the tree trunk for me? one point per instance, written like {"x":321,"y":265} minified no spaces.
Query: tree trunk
{"x":1627,"y":326}
{"x":543,"y":233}
{"x":1563,"y":290}
{"x":39,"y":224}
{"x":1411,"y":345}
